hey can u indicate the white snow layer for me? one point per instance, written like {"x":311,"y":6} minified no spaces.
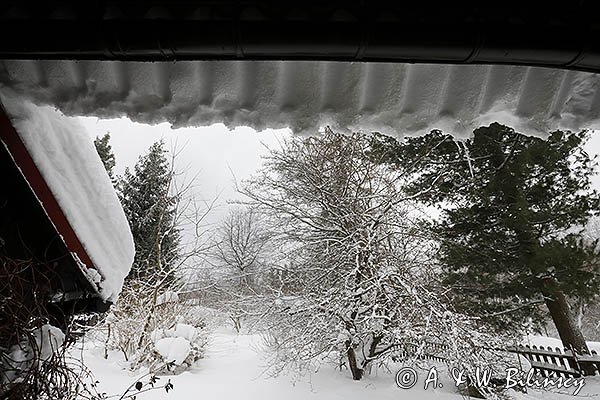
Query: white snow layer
{"x":167,"y":297}
{"x":67,"y":159}
{"x":395,"y":99}
{"x":175,"y":344}
{"x":48,"y":341}
{"x":173,"y":349}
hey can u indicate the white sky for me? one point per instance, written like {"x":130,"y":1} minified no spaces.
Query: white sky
{"x":214,"y":154}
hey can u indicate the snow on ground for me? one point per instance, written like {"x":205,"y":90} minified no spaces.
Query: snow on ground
{"x":393,"y":98}
{"x":67,"y":159}
{"x":233,"y":368}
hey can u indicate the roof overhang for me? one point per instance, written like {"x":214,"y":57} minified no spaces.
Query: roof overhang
{"x":533,"y":33}
{"x":33,"y":228}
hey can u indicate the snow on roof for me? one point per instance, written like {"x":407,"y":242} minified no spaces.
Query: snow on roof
{"x":66,"y":157}
{"x":395,"y":99}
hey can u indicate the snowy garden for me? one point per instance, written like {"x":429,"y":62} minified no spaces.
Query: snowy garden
{"x":349,"y":265}
{"x":352,"y":257}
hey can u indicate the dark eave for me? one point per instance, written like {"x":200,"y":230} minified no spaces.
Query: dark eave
{"x":540,"y":33}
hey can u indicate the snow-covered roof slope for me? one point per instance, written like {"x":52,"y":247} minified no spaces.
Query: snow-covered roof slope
{"x":392,"y":98}
{"x":67,"y":160}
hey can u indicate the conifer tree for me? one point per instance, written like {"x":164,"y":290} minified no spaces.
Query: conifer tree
{"x":105,"y":152}
{"x":149,"y":204}
{"x":511,"y":230}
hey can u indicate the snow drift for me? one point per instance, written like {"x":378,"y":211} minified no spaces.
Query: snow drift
{"x":182,"y":344}
{"x":67,"y":159}
{"x":395,"y":99}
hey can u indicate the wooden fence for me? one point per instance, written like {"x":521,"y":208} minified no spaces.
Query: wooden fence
{"x":545,"y":360}
{"x":562,"y":362}
{"x":430,"y":351}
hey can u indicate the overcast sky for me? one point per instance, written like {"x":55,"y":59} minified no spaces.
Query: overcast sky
{"x":214,"y":153}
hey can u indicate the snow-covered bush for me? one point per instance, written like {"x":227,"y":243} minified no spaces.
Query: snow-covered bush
{"x":158,"y":207}
{"x":38,"y":367}
{"x":31,"y":353}
{"x":33,"y":359}
{"x":161,"y":332}
{"x":179,"y":347}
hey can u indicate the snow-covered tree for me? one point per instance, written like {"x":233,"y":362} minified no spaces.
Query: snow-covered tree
{"x":150,"y":206}
{"x":106,"y":154}
{"x":241,"y":246}
{"x":240,"y":259}
{"x":362,"y":272}
{"x":512,"y":227}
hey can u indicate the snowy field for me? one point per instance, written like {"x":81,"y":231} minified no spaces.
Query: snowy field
{"x":233,"y":368}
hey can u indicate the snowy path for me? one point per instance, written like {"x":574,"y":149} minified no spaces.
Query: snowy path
{"x":233,"y":369}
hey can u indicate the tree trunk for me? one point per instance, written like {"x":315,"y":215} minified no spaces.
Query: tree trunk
{"x":565,"y":323}
{"x":357,"y":372}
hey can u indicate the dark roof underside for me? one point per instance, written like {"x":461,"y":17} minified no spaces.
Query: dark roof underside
{"x":507,"y":32}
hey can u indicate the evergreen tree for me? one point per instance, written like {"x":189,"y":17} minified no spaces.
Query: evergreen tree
{"x":146,"y":196}
{"x":105,"y":152}
{"x":511,"y":229}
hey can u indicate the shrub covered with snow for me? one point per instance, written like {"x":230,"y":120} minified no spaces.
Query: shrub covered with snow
{"x":33,"y":360}
{"x":47,"y":341}
{"x":159,"y":332}
{"x":178,"y":347}
{"x":36,"y":366}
